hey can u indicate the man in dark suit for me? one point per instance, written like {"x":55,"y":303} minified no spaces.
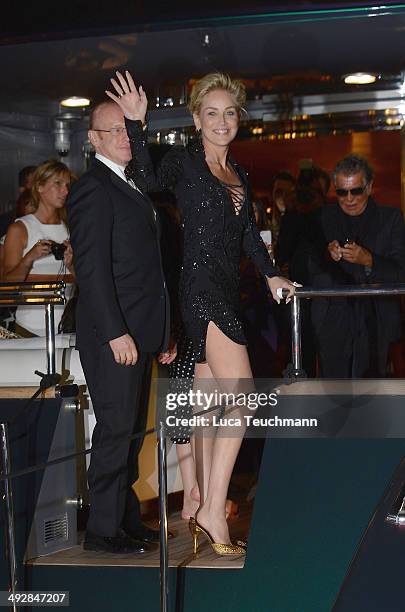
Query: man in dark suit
{"x":359,"y":242}
{"x":122,"y":319}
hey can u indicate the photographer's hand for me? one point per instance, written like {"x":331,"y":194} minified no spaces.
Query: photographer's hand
{"x":68,"y":257}
{"x":335,"y":250}
{"x":17,"y":266}
{"x":42,"y":248}
{"x":354,"y":253}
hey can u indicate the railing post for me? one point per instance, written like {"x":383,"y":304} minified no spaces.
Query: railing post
{"x":164,"y":556}
{"x":296,"y":336}
{"x":50,"y":338}
{"x":9,"y":512}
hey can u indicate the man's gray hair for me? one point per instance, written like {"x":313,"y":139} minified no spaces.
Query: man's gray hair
{"x":352,"y":164}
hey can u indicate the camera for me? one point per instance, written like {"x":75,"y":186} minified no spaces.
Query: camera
{"x":58,"y":250}
{"x":346,"y":242}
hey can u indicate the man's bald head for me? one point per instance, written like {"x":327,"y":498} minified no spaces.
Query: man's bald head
{"x":107,"y":133}
{"x":98,"y":111}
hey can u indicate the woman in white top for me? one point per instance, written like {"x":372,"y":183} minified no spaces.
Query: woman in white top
{"x":23,"y":207}
{"x":27,"y":248}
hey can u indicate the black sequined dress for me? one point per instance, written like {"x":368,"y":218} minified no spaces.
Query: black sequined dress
{"x":214,"y":235}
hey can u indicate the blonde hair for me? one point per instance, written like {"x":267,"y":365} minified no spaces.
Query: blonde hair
{"x":214,"y":81}
{"x":42,"y":174}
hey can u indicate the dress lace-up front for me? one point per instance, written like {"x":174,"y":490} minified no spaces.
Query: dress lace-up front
{"x":237,"y":195}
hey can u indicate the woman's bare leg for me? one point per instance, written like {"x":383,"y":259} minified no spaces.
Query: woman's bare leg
{"x":191,"y":497}
{"x":205,"y":437}
{"x":191,"y":493}
{"x":227,"y":363}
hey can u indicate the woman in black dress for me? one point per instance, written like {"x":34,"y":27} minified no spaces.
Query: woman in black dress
{"x":215,"y":201}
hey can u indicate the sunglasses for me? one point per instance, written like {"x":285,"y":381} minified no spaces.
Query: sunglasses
{"x":356,"y":191}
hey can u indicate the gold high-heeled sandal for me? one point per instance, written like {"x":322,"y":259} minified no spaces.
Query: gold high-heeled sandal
{"x":191,"y":524}
{"x":220,"y":549}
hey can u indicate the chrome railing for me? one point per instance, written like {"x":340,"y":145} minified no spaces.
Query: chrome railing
{"x":45,"y":294}
{"x":302,"y":293}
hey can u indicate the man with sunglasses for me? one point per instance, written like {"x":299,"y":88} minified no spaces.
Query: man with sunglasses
{"x":360,"y":243}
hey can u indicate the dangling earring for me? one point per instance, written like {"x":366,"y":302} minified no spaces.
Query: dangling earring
{"x":198,"y":138}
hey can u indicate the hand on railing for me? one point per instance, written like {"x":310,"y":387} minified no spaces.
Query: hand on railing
{"x":281,"y":287}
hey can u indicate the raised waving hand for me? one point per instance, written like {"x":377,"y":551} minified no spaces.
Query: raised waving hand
{"x":132,"y":101}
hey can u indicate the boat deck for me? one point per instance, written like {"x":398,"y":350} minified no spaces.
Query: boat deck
{"x":180,"y":550}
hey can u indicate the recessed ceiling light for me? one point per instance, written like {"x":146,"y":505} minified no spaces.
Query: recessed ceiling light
{"x":360,"y":78}
{"x":75,"y":102}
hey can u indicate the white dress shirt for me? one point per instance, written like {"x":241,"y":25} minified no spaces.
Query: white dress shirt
{"x":118,"y":170}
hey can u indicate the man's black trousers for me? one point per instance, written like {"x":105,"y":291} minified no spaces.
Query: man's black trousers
{"x":120,"y":400}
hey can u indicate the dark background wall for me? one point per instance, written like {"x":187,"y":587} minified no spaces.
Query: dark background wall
{"x":382,"y":149}
{"x":262,"y":159}
{"x":27,"y":140}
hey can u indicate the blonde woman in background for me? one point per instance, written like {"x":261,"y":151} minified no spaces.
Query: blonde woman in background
{"x":31,"y":251}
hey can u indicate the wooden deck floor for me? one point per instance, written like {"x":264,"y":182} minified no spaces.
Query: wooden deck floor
{"x":180,"y":550}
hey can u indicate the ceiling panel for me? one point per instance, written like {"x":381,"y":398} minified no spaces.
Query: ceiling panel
{"x":36,"y":75}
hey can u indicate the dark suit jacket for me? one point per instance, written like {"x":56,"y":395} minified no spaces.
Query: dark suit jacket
{"x":116,"y":254}
{"x":383,"y":235}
